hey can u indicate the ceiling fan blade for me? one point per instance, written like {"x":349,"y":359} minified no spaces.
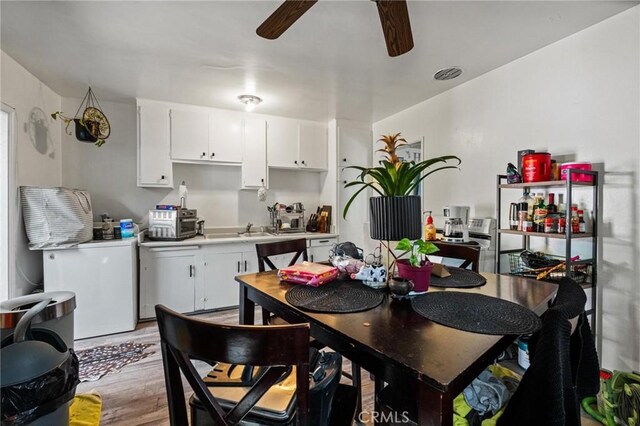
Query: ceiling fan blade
{"x":284,"y":16}
{"x":394,"y":17}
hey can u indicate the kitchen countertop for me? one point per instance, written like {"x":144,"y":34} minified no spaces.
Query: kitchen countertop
{"x":202,"y":240}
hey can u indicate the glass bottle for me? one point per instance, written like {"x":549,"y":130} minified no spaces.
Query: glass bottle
{"x":551,"y":207}
{"x":562,"y":207}
{"x":575,"y":221}
{"x":540,"y":214}
{"x":582,"y":225}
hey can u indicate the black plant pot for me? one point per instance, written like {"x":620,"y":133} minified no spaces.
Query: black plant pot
{"x":395,"y":218}
{"x":82,"y":134}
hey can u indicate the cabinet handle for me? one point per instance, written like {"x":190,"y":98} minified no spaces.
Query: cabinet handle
{"x":344,"y":159}
{"x":312,"y":258}
{"x":190,"y":270}
{"x":238,"y":266}
{"x":213,"y":154}
{"x":302,"y":161}
{"x":295,"y":162}
{"x":344,"y":181}
{"x":162,"y":177}
{"x":323,"y":241}
{"x":245,"y":266}
{"x":204,"y":154}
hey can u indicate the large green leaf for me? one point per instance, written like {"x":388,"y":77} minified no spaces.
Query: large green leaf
{"x":387,"y":180}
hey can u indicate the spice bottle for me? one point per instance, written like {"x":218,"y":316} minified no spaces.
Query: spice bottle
{"x":548,"y":225}
{"x":582,"y":225}
{"x":575,"y":221}
{"x":562,"y":223}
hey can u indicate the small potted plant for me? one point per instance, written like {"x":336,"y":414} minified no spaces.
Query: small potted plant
{"x":417,"y":267}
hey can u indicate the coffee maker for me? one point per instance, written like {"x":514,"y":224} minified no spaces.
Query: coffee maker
{"x":456,"y":224}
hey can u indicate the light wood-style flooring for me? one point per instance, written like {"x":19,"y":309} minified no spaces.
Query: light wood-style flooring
{"x":136,"y":394}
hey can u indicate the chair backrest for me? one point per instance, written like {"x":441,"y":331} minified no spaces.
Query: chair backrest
{"x":297,"y":247}
{"x":277,"y":347}
{"x":470,"y":254}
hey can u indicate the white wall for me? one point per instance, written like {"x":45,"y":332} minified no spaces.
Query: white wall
{"x":109,"y":173}
{"x":37,"y":158}
{"x":579,"y":97}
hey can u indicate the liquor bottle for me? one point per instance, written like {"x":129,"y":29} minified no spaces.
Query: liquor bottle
{"x":539,"y":215}
{"x":551,"y":207}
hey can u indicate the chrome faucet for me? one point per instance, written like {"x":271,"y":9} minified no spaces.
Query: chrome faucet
{"x":248,"y":228}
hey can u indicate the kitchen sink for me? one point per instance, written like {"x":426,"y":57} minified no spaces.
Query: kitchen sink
{"x":256,"y":234}
{"x":237,"y":235}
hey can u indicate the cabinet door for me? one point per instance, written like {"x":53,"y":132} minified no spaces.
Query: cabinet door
{"x":189,"y":135}
{"x":154,"y":159}
{"x":254,"y":163}
{"x":313,"y":146}
{"x":282,"y":143}
{"x":225,"y":137}
{"x":169,"y":281}
{"x":250,"y":262}
{"x":220,"y":286}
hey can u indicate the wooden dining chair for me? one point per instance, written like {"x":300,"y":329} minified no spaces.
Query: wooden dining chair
{"x":184,"y":338}
{"x":470,"y":254}
{"x":297,"y":248}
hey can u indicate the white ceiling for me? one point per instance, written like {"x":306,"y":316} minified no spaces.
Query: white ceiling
{"x":331,"y":63}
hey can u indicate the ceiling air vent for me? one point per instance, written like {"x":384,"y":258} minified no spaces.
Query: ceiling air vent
{"x":448,"y":73}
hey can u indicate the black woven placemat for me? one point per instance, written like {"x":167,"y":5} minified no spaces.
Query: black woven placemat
{"x":338,"y":296}
{"x":459,"y":278}
{"x":476,"y":313}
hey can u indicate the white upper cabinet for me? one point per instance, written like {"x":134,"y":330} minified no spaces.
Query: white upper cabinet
{"x":292,"y":144}
{"x":282,"y":143}
{"x":225,"y":137}
{"x":254,"y":158}
{"x":154,"y":160}
{"x":189,"y":135}
{"x":312,"y":146}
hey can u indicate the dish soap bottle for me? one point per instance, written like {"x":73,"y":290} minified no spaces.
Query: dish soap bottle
{"x":182,"y":194}
{"x":429,"y":228}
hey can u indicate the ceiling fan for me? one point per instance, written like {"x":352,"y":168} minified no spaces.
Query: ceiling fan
{"x":394,"y":17}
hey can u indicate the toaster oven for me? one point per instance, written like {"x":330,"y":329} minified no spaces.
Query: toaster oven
{"x":172,"y":225}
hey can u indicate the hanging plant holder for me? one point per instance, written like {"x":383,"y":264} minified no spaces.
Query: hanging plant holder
{"x":93,"y":125}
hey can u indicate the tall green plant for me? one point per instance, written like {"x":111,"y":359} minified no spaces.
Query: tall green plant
{"x":394,"y":177}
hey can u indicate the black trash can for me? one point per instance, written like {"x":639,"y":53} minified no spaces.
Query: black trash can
{"x":38,"y":374}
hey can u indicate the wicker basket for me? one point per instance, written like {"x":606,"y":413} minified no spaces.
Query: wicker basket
{"x":580,"y":273}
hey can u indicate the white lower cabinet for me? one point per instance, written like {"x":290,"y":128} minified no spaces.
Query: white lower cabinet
{"x":220,"y":289}
{"x":318,"y":249}
{"x":202,"y":277}
{"x":168,"y":279}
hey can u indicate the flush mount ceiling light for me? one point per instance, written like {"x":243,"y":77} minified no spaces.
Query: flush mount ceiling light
{"x":448,"y":73}
{"x":249,"y":101}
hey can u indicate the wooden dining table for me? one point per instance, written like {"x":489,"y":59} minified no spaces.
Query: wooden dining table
{"x":432,"y":362}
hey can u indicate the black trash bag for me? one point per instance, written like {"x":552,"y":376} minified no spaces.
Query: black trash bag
{"x":25,"y":402}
